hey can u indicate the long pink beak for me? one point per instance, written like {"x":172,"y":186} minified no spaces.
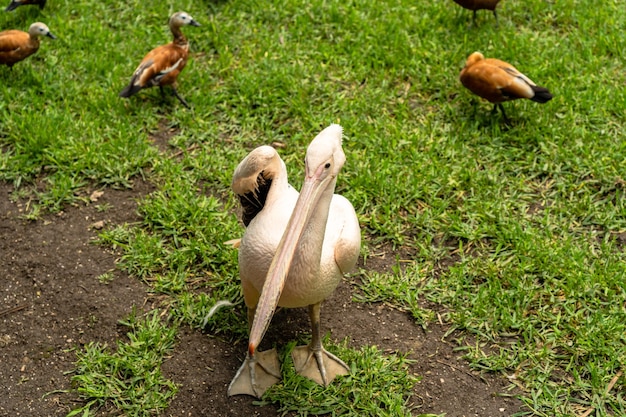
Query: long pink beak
{"x":281,"y":263}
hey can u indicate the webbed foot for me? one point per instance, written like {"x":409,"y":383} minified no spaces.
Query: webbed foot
{"x":318,"y":364}
{"x":256,"y":374}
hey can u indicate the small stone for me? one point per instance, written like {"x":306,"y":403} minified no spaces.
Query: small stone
{"x":95,"y":196}
{"x":98,"y":225}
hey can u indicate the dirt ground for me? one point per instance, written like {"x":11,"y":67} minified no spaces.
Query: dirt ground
{"x":51,"y":303}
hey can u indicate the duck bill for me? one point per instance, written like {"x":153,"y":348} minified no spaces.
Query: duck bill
{"x":311,"y":191}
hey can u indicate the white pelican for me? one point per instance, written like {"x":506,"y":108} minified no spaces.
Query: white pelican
{"x":294,"y":252}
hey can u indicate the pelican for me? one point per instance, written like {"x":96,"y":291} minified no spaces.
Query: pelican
{"x":294,"y":251}
{"x":497,"y":81}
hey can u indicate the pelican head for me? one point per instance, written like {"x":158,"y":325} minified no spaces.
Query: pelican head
{"x":324,"y":156}
{"x":253,"y":179}
{"x":263,"y":161}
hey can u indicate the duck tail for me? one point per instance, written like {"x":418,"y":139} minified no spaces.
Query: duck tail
{"x":541,"y":94}
{"x":12,"y":6}
{"x":130,"y":89}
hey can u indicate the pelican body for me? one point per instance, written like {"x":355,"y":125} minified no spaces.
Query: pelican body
{"x":16,"y":45}
{"x":17,"y":3}
{"x":294,"y":252}
{"x":498,"y":81}
{"x":162,"y":65}
{"x":479,"y":5}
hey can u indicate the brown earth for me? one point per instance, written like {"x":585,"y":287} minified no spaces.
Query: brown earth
{"x":51,"y":303}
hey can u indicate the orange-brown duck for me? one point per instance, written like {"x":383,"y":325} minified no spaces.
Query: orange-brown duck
{"x":498,"y":81}
{"x":163,"y":64}
{"x":16,"y":45}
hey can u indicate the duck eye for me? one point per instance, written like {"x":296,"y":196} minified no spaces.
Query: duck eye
{"x":327,"y":165}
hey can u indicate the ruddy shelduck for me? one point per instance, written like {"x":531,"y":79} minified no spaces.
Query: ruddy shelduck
{"x":17,"y":3}
{"x":498,"y":81}
{"x":479,"y":5}
{"x":163,"y":64}
{"x":16,"y":45}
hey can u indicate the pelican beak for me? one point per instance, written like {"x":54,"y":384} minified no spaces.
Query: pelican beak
{"x":313,"y":187}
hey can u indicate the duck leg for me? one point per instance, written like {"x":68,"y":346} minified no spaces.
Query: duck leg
{"x":501,"y":107}
{"x":178,"y":96}
{"x":326,"y":366}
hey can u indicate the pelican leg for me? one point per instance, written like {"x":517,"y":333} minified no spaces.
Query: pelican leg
{"x":326,"y":365}
{"x":258,"y":372}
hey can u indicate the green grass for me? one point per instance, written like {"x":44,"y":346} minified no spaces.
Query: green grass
{"x":517,"y":231}
{"x":377,"y":386}
{"x":129,"y":379}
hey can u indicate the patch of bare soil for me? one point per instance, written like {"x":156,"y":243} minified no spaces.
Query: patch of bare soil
{"x":52,"y":303}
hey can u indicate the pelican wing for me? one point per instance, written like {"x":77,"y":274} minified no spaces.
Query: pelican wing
{"x":348,"y":245}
